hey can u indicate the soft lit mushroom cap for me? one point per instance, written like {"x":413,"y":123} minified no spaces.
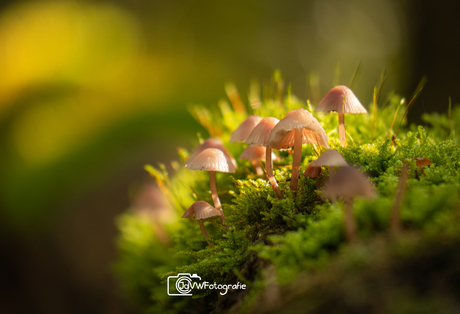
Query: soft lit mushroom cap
{"x":210,"y":143}
{"x":201,"y":210}
{"x":254,"y":153}
{"x":261,"y":133}
{"x":331,"y":158}
{"x":333,"y":101}
{"x":211,"y":159}
{"x":242,"y":132}
{"x":282,"y":136}
{"x":312,"y":171}
{"x":347,"y":183}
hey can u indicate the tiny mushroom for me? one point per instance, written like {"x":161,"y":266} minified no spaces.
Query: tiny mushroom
{"x":330,"y":158}
{"x":259,"y":137}
{"x":210,"y":143}
{"x":347,"y":183}
{"x":340,"y":99}
{"x":242,"y":132}
{"x":313,"y":172}
{"x":422,"y":162}
{"x":202,"y":210}
{"x":296,"y":128}
{"x":255,"y":154}
{"x":212,"y":160}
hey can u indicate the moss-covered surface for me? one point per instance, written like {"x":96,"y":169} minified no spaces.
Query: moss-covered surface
{"x":292,"y":253}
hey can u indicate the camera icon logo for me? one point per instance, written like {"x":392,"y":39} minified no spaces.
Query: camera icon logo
{"x":181,"y":285}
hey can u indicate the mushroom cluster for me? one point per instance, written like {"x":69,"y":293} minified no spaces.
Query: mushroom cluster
{"x":262,"y":135}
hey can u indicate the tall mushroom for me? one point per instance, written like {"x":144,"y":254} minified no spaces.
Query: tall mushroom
{"x":202,"y":210}
{"x":259,"y":137}
{"x":212,"y":160}
{"x":210,"y":143}
{"x":340,"y":99}
{"x":245,"y":128}
{"x":347,"y":183}
{"x":296,"y":128}
{"x":255,"y":154}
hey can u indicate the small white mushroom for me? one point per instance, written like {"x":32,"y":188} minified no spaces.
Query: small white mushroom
{"x":212,"y":160}
{"x":202,"y":210}
{"x":259,"y":137}
{"x":296,"y":128}
{"x":347,"y":183}
{"x":330,"y":158}
{"x":211,"y":143}
{"x":255,"y":154}
{"x":340,"y":99}
{"x":242,"y":132}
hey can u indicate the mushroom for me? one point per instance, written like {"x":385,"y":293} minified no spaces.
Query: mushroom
{"x":340,"y":99}
{"x":347,"y":183}
{"x":421,"y":162}
{"x":242,"y":132}
{"x":212,"y":160}
{"x":296,"y":128}
{"x":254,"y":154}
{"x":259,"y":137}
{"x":211,"y":143}
{"x":202,"y":210}
{"x":330,"y":158}
{"x":313,"y":172}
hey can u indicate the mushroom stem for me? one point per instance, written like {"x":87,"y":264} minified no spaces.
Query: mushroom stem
{"x":269,"y":169}
{"x":342,"y":134}
{"x":256,"y":166}
{"x":205,"y":234}
{"x":350,"y":226}
{"x":215,"y":197}
{"x":296,"y":160}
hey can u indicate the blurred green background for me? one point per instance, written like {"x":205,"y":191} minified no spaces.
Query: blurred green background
{"x":90,"y":91}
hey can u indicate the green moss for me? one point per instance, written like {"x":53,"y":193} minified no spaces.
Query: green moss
{"x":299,"y":236}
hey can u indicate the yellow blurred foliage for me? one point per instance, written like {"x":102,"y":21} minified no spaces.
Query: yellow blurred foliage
{"x":95,"y":48}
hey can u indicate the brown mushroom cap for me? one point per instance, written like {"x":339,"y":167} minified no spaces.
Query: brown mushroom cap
{"x":261,"y":133}
{"x":210,"y":143}
{"x":254,"y":152}
{"x":333,"y":101}
{"x":421,"y":162}
{"x":348,"y":183}
{"x":282,"y":136}
{"x":312,"y":171}
{"x":331,"y":158}
{"x":242,"y":132}
{"x":211,"y":159}
{"x":201,"y":210}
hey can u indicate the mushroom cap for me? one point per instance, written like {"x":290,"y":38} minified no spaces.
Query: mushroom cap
{"x":333,"y":101}
{"x":260,"y":134}
{"x":201,"y":210}
{"x":312,"y":171}
{"x":210,"y":143}
{"x":255,"y":153}
{"x":347,"y":183}
{"x":421,"y":162}
{"x":283,"y":134}
{"x":242,"y":132}
{"x":211,"y":159}
{"x":330,"y":158}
